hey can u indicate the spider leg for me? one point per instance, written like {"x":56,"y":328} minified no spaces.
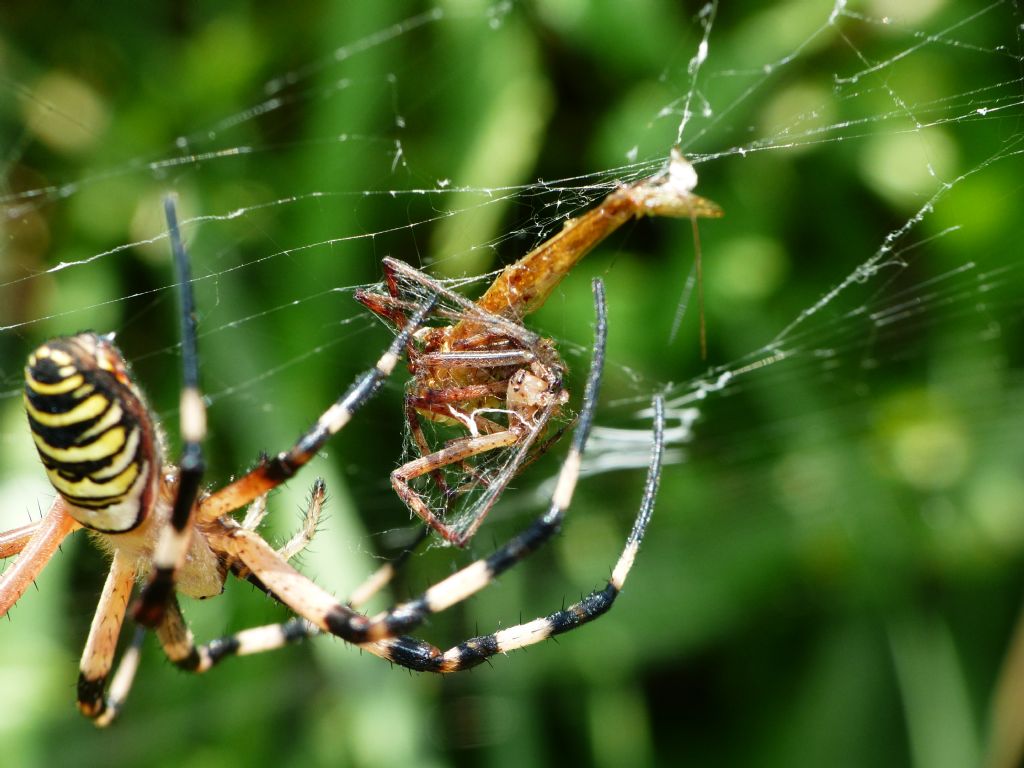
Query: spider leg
{"x":15,"y":540}
{"x":300,"y":539}
{"x":387,"y":307}
{"x":177,"y":642}
{"x":313,"y":603}
{"x":255,"y":513}
{"x":383,"y":575}
{"x":123,"y":679}
{"x":98,"y":656}
{"x":271,"y":473}
{"x":179,"y":646}
{"x":412,"y":418}
{"x":36,"y":551}
{"x":172,"y":544}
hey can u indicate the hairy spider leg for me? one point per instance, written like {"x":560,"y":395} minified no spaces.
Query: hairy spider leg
{"x":36,"y":542}
{"x":300,"y":539}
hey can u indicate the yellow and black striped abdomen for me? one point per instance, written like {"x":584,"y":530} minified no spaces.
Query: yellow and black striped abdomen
{"x":91,"y":430}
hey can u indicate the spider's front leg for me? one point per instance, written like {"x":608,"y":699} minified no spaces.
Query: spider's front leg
{"x":173,"y":539}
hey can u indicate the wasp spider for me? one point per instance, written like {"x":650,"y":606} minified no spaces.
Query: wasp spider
{"x":102,"y":451}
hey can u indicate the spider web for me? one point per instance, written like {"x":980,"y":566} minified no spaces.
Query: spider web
{"x":297,"y":173}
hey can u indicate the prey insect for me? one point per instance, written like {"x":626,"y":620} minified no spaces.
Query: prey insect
{"x":103,"y":452}
{"x":486,"y":374}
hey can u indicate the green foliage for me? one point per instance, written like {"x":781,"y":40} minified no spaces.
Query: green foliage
{"x":832,"y":575}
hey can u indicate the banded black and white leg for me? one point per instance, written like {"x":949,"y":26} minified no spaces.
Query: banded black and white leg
{"x":173,"y":540}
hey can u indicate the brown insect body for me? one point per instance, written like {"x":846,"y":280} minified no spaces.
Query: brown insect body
{"x":486,"y":363}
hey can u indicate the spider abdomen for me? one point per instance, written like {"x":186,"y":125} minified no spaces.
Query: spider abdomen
{"x":91,"y":430}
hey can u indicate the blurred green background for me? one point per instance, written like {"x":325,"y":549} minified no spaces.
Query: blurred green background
{"x":833,"y":574}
